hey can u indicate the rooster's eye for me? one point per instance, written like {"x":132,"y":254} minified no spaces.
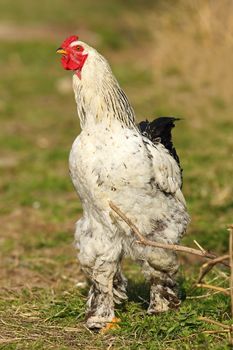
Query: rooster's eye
{"x":79,"y":48}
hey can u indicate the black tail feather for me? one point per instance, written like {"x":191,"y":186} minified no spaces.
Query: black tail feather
{"x":159,"y":130}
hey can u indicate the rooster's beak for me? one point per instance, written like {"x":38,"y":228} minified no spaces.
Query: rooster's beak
{"x":61,"y":51}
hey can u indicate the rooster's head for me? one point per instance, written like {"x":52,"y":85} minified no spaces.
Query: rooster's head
{"x":73,"y":53}
{"x":97,"y":92}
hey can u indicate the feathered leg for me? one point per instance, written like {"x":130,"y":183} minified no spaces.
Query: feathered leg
{"x":100,"y":255}
{"x":100,"y":304}
{"x":108,"y":287}
{"x":160,"y":269}
{"x":119,"y":287}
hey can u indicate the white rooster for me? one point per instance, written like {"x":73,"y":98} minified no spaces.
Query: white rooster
{"x":115,"y":160}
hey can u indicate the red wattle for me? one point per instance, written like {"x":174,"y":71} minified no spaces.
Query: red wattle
{"x":73,"y":62}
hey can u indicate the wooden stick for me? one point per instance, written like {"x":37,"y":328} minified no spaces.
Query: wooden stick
{"x":230,"y":229}
{"x":144,"y":241}
{"x":208,"y":320}
{"x":206,"y":267}
{"x":217,"y":331}
{"x":199,"y":246}
{"x":209,"y":286}
{"x":203,"y":296}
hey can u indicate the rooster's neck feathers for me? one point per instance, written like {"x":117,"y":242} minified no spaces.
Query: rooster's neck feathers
{"x":98,"y":95}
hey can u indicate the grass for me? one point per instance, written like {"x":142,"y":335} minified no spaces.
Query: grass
{"x":165,"y":70}
{"x":53,"y":319}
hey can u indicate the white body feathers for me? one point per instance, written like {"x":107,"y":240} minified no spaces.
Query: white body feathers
{"x":111,"y":161}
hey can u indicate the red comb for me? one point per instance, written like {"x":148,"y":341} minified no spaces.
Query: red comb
{"x":69,"y":40}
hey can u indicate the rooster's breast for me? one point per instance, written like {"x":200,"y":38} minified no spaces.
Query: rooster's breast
{"x":105,"y":165}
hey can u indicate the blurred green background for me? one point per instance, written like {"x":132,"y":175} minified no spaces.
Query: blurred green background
{"x":170,"y":57}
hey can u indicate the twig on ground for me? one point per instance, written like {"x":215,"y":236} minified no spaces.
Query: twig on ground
{"x":145,"y":241}
{"x":209,"y":286}
{"x":226,"y":328}
{"x":230,"y":229}
{"x":87,"y":329}
{"x":216,"y":331}
{"x":203,"y":296}
{"x":231,"y":265}
{"x":12,"y":340}
{"x":216,"y":323}
{"x":199,"y":246}
{"x":206,"y":267}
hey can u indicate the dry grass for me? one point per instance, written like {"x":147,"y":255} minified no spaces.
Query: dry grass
{"x":193,"y":50}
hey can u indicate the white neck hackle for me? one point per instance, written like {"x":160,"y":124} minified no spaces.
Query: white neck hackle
{"x":98,"y":95}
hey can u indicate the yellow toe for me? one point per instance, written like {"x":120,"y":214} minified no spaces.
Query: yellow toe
{"x":111,"y":325}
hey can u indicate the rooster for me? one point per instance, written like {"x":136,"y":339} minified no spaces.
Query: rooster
{"x":134,"y":166}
